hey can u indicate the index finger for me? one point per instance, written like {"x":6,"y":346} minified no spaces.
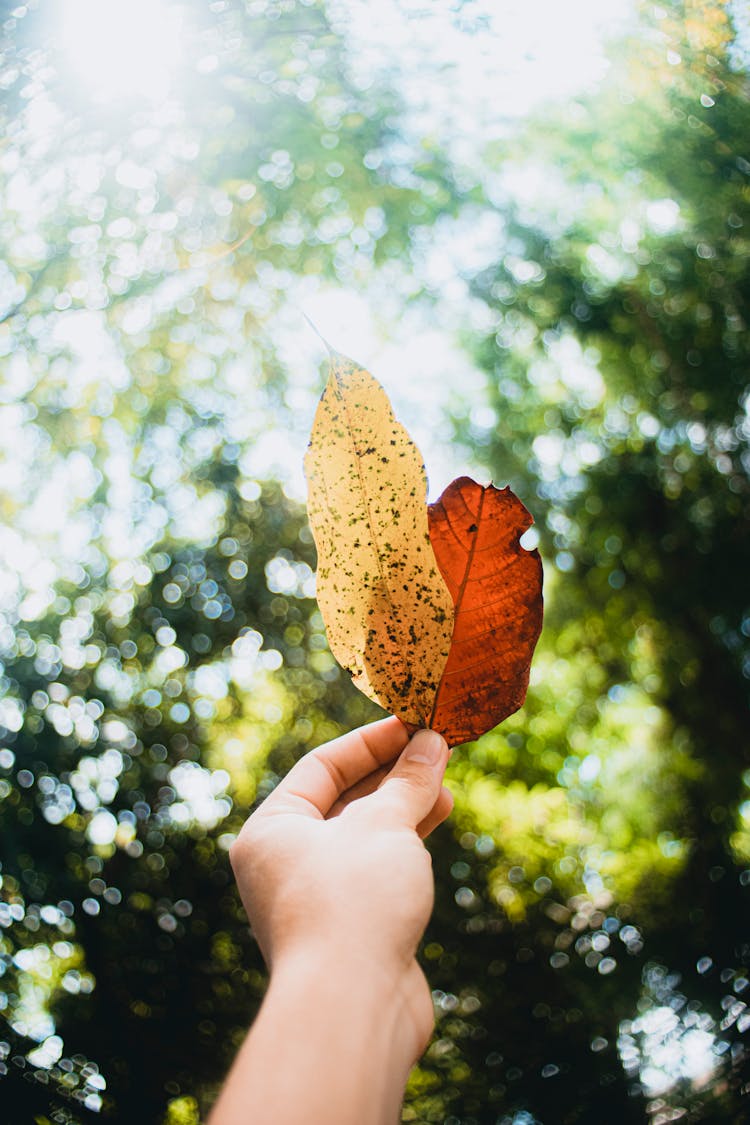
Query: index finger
{"x":317,"y":781}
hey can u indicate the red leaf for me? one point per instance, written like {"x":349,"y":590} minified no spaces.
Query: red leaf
{"x":496,"y":586}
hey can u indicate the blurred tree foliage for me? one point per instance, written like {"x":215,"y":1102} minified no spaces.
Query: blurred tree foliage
{"x":163,"y":661}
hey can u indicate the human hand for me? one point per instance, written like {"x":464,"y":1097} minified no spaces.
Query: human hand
{"x":332,"y":869}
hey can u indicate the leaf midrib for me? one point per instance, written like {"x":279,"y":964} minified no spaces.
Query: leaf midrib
{"x":462,"y":588}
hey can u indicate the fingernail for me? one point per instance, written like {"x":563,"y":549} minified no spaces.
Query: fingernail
{"x":426,"y":746}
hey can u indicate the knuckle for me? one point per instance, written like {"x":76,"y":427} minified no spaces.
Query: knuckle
{"x":236,"y":853}
{"x":247,"y":841}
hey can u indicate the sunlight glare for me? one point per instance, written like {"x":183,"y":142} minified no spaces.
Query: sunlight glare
{"x":122,"y":47}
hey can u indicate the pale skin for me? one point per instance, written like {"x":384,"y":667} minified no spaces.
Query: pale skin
{"x":338,"y":888}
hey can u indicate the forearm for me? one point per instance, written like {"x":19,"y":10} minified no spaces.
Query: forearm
{"x":338,"y":904}
{"x":331,"y":1045}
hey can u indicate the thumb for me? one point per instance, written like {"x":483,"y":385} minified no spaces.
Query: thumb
{"x":411,"y":789}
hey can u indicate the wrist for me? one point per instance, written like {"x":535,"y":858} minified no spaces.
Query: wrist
{"x":372,"y":999}
{"x":344,"y":960}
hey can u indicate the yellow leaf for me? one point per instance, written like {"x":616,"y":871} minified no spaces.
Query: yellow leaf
{"x":388,"y":612}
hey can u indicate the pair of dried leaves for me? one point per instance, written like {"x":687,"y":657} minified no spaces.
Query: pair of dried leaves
{"x":434,"y":611}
